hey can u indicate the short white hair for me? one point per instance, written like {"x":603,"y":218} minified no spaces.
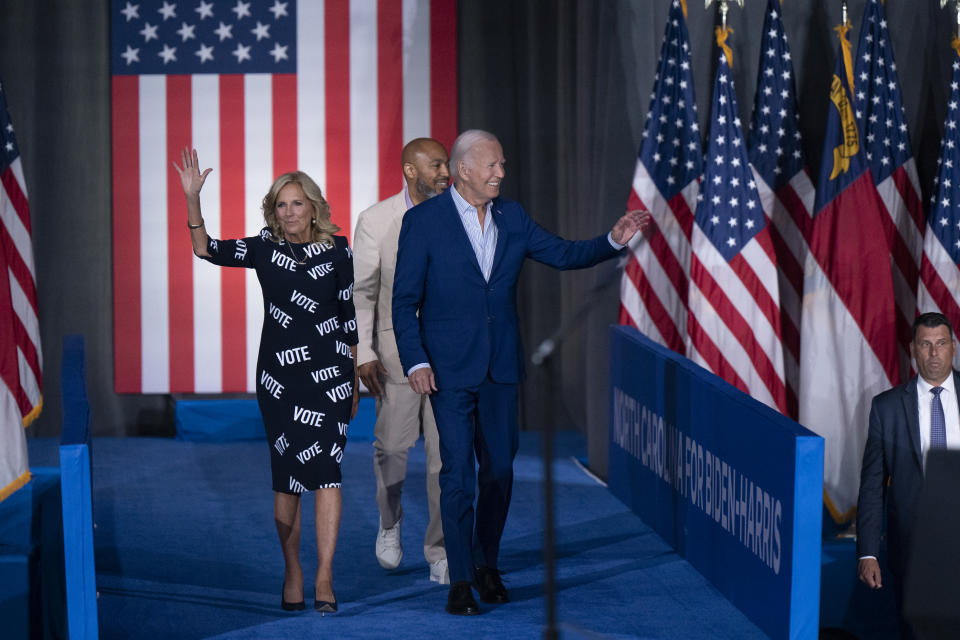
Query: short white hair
{"x":464,"y":144}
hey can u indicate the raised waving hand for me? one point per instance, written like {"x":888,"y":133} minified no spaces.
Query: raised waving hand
{"x":192,"y":181}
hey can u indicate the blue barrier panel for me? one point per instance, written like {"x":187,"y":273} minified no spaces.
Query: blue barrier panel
{"x":75,"y":486}
{"x":79,"y":570}
{"x":734,"y":486}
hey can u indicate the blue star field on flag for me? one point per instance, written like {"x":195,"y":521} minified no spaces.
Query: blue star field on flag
{"x":945,"y":212}
{"x":775,"y":142}
{"x":876,"y":97}
{"x":151,"y":37}
{"x":671,"y":140}
{"x":8,"y":141}
{"x":729,"y":210}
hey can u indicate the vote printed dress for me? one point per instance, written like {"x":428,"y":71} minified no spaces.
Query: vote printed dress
{"x":304,"y":369}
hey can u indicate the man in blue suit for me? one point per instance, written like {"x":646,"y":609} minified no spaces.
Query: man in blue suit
{"x":906,"y":422}
{"x":455,"y":320}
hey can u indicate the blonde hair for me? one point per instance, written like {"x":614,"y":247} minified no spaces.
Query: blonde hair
{"x":322,"y":228}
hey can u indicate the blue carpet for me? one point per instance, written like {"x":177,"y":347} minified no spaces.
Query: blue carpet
{"x":186,"y":548}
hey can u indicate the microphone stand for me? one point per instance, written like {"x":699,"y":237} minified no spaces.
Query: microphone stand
{"x":540,"y":357}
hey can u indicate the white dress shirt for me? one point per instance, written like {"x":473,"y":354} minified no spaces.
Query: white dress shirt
{"x":951,"y":413}
{"x":483,"y":240}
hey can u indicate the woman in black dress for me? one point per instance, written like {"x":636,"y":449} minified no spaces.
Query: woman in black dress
{"x":306,"y":381}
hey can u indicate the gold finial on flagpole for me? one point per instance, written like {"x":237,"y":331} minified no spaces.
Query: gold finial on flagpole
{"x":846,"y":50}
{"x":724,"y":8}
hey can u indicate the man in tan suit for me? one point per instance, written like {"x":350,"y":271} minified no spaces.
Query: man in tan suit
{"x":401,"y":412}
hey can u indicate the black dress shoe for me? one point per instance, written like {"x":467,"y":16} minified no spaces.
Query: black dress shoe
{"x":291,"y":606}
{"x":489,"y":585}
{"x":460,"y":601}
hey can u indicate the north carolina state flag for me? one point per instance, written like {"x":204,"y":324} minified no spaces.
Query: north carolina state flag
{"x":848,"y":350}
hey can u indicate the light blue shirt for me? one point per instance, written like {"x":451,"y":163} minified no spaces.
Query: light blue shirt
{"x":483,"y":241}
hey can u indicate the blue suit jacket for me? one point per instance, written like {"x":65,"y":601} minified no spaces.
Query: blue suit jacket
{"x":467,"y":327}
{"x":892,"y":453}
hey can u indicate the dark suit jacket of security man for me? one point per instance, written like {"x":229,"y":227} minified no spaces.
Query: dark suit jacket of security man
{"x":892,"y":452}
{"x":467,"y":330}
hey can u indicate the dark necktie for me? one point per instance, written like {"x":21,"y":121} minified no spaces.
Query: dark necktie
{"x":938,"y":425}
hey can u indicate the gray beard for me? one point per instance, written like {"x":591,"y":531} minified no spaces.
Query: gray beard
{"x":424,"y":189}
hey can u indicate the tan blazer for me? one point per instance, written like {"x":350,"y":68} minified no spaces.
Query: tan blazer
{"x":374,"y":262}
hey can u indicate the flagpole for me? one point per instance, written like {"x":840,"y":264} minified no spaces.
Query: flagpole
{"x":944,"y":3}
{"x":725,"y":8}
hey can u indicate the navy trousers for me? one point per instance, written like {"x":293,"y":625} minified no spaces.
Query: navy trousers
{"x":478,"y":442}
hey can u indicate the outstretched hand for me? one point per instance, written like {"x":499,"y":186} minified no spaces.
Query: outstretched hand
{"x":190,"y":177}
{"x":627,"y":226}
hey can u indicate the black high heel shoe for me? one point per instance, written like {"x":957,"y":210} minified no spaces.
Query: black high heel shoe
{"x":292,"y":606}
{"x":325,"y":607}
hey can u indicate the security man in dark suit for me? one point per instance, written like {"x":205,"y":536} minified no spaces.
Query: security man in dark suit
{"x":906,"y":422}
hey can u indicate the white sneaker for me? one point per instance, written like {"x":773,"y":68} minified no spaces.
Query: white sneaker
{"x":439,"y":572}
{"x":389,"y":548}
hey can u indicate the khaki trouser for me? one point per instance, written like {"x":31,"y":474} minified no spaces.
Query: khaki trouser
{"x":401,"y":415}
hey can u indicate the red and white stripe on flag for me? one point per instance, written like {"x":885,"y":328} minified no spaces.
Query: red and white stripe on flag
{"x":734,"y":321}
{"x":369,"y":76}
{"x":939,"y":288}
{"x":21,"y":364}
{"x":879,"y":111}
{"x":653,"y":290}
{"x":785,"y":188}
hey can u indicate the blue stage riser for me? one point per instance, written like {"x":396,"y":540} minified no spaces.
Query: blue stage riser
{"x":733,"y":485}
{"x":217,"y":419}
{"x":31,"y":560}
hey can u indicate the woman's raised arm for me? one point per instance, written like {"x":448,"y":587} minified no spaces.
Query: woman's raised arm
{"x":192,"y":181}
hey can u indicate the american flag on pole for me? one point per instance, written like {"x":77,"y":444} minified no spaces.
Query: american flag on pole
{"x":21,"y":364}
{"x":783,"y":182}
{"x":883,"y":128}
{"x":734,"y":319}
{"x":653,"y":291}
{"x":939,"y":288}
{"x":259,"y":87}
{"x":849,"y":349}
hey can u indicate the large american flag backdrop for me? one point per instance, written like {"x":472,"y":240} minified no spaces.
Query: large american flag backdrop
{"x":331,"y":87}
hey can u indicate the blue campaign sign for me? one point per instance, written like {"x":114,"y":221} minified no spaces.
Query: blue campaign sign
{"x":733,"y":485}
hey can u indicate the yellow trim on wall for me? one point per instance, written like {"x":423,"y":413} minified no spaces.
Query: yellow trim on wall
{"x":8,"y":490}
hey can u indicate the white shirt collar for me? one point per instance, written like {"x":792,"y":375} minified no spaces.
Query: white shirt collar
{"x":923,"y":387}
{"x":462,"y":205}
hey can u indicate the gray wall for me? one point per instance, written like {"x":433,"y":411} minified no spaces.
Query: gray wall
{"x":565,"y":84}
